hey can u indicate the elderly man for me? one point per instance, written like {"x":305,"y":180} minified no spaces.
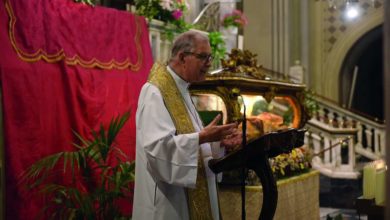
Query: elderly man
{"x":173,"y":180}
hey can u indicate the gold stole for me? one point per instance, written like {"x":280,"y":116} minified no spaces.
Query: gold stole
{"x":198,"y":198}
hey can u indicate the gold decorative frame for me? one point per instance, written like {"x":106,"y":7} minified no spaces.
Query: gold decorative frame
{"x":229,"y":86}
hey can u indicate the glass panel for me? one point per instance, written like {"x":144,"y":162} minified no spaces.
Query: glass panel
{"x":209,"y":106}
{"x":264,"y":117}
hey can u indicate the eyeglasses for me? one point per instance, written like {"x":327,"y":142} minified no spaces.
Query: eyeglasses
{"x":201,"y":56}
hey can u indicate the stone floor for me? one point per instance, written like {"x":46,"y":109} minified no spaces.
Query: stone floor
{"x":337,"y":198}
{"x":339,"y":193}
{"x":340,"y":214}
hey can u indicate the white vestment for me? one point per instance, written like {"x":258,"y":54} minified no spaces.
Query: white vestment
{"x":166,"y":163}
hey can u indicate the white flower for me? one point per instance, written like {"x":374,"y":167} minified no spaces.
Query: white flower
{"x":166,"y":4}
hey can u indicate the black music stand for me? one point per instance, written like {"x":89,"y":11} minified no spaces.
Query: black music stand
{"x":255,"y":156}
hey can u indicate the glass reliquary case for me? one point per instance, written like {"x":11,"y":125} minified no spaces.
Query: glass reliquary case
{"x":241,"y":86}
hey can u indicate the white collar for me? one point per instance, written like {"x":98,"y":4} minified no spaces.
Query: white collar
{"x":181,"y":83}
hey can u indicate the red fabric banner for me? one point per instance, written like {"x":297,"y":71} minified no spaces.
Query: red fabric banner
{"x":64,"y":66}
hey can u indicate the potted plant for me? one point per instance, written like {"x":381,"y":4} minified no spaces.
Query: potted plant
{"x":101,"y":177}
{"x":169,"y":11}
{"x":234,"y":20}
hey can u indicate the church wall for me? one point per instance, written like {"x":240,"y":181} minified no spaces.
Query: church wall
{"x":331,"y":37}
{"x":295,"y":30}
{"x":328,"y":39}
{"x":258,"y":32}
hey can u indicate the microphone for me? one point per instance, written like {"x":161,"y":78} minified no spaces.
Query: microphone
{"x":243,"y":169}
{"x":243,"y":124}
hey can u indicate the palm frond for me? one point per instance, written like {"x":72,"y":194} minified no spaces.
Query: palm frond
{"x":84,"y":142}
{"x":115,"y":126}
{"x":119,"y":152}
{"x":41,"y":167}
{"x":94,"y":154}
{"x":91,"y":160}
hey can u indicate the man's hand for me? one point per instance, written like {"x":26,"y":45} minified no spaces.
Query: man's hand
{"x":233,"y":141}
{"x":214,"y":132}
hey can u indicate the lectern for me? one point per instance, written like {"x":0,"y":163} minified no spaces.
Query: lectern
{"x":255,"y":155}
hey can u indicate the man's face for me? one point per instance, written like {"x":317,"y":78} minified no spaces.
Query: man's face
{"x":198,"y":62}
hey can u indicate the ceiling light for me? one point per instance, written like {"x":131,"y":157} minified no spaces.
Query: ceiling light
{"x":352,"y":10}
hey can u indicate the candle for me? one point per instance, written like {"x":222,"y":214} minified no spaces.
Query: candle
{"x":369,"y":181}
{"x":380,"y":187}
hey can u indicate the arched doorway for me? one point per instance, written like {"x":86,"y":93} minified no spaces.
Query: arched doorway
{"x":366,"y":97}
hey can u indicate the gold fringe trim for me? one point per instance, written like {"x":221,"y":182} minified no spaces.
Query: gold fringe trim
{"x":40,"y":54}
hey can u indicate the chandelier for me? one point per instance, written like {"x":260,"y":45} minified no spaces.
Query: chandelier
{"x":340,"y":4}
{"x":350,"y":9}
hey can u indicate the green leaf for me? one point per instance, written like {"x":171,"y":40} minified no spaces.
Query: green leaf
{"x":41,"y":167}
{"x":82,"y":140}
{"x":106,"y":183}
{"x":218,"y":46}
{"x":88,"y":2}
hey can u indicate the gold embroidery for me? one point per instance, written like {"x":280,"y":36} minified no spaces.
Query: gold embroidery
{"x":198,"y":198}
{"x":40,"y":54}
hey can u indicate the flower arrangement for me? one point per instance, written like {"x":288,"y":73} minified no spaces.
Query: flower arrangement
{"x":170,"y":11}
{"x":234,"y":19}
{"x":286,"y":165}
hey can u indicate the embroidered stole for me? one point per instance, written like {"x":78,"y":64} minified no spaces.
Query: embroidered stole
{"x":198,"y":198}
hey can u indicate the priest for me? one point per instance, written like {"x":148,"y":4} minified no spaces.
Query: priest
{"x":172,"y":178}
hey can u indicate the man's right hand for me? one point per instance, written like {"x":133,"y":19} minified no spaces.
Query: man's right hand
{"x":213,"y":132}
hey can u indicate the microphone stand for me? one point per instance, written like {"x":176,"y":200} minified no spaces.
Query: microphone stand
{"x":243,"y":169}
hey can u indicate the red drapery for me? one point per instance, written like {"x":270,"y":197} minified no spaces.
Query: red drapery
{"x":64,"y":66}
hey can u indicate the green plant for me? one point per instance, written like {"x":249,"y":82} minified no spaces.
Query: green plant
{"x":310,"y":103}
{"x":218,"y":47}
{"x":169,"y":11}
{"x":88,"y":2}
{"x":151,"y":9}
{"x":177,"y":27}
{"x":101,"y":185}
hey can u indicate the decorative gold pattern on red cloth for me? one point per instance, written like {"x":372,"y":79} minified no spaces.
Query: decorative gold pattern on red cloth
{"x":46,"y":30}
{"x":61,"y":72}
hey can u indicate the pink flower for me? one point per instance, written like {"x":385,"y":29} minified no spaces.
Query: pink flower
{"x":236,"y":18}
{"x":236,"y":12}
{"x":177,"y":14}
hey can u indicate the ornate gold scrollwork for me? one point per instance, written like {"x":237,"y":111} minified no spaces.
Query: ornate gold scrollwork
{"x":243,"y":62}
{"x":230,"y":98}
